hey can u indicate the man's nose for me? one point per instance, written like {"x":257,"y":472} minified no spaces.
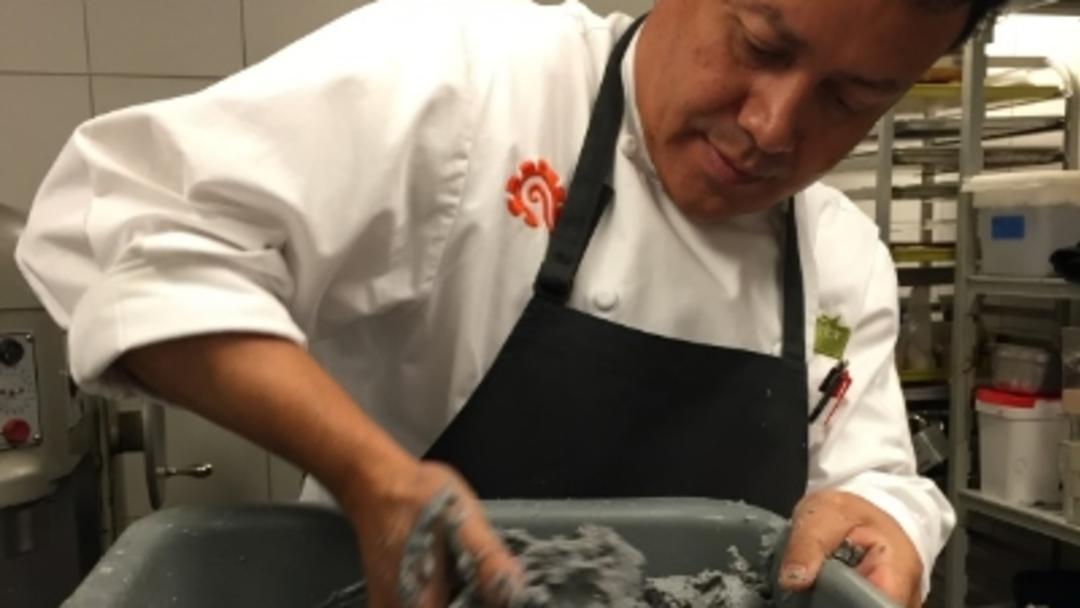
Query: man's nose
{"x":771,"y":110}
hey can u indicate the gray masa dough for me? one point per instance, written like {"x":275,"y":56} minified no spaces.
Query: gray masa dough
{"x":596,"y":568}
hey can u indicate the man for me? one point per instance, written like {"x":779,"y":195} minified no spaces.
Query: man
{"x":647,"y":313}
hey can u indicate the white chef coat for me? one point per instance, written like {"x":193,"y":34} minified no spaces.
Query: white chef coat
{"x":351,"y":194}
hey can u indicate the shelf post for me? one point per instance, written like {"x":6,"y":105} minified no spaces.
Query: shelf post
{"x":883,"y":182}
{"x":963,"y":324}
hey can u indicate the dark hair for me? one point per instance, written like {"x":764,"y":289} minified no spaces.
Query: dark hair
{"x":978,"y":11}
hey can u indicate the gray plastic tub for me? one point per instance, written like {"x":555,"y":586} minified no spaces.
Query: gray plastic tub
{"x":295,"y":556}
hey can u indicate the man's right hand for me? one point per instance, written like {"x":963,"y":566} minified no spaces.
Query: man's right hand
{"x":390,"y":523}
{"x":265,"y":388}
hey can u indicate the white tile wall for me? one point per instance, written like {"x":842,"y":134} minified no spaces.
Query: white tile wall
{"x":174,"y":37}
{"x":241,"y":469}
{"x":603,"y":7}
{"x":115,"y":92}
{"x":42,"y":36}
{"x":37,"y":114}
{"x":269,"y":25}
{"x":272,"y":24}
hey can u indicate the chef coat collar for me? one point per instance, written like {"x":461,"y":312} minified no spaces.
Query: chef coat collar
{"x":634,"y":146}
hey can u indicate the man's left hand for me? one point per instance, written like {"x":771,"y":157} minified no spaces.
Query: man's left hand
{"x":825,"y":519}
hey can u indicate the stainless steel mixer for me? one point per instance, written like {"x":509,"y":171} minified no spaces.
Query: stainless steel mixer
{"x":59,"y":506}
{"x":50,"y":481}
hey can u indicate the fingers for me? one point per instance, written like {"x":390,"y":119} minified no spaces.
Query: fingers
{"x":481,"y":556}
{"x":886,"y":567}
{"x":421,"y":580}
{"x":452,"y":549}
{"x":879,"y":564}
{"x":435,"y":592}
{"x":824,"y":521}
{"x":819,"y":526}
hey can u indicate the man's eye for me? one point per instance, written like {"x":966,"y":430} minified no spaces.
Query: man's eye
{"x":766,"y":54}
{"x":837,"y":98}
{"x":762,"y":54}
{"x":842,"y":104}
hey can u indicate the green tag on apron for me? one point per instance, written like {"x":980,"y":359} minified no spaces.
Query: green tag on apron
{"x":831,"y":337}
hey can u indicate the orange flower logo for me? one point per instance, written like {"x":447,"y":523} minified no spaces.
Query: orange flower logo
{"x":535,"y":194}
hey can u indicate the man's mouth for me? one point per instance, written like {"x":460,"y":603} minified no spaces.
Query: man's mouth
{"x":725,"y":170}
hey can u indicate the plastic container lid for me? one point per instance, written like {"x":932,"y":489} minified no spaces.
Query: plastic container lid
{"x":1015,"y":406}
{"x":1027,"y":354}
{"x":1000,"y":398}
{"x":1026,"y":189}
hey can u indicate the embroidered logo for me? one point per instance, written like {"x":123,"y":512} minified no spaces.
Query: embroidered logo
{"x":535,"y":194}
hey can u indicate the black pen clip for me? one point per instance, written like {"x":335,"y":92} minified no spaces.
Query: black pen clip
{"x":829,"y":386}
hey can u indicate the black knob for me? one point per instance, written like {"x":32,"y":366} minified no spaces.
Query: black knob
{"x":11,"y":352}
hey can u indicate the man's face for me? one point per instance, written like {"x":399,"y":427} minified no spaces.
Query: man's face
{"x":745,"y":102}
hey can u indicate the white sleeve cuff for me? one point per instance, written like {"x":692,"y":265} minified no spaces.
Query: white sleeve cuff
{"x":140,"y":305}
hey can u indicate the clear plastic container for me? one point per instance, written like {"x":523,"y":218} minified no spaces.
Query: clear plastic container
{"x":1025,"y":369}
{"x":1023,"y":217}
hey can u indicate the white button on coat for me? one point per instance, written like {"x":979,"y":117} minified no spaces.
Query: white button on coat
{"x":605,"y":301}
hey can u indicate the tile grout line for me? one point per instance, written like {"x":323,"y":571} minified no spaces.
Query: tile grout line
{"x":89,"y":72}
{"x":113,"y":75}
{"x":243,"y":34}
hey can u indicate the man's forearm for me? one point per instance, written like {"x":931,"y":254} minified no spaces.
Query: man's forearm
{"x":275,"y":394}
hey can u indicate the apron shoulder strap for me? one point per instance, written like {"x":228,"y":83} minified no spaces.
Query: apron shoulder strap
{"x":794,"y":321}
{"x":589,"y":190}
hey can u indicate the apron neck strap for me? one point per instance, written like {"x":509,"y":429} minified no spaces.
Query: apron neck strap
{"x":794,"y":322}
{"x":589,"y":190}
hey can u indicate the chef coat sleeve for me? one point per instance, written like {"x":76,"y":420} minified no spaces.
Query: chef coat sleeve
{"x":322,"y":181}
{"x":866,"y":449}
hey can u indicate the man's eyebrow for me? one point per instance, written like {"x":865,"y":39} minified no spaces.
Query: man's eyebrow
{"x":775,"y":19}
{"x":886,"y":86}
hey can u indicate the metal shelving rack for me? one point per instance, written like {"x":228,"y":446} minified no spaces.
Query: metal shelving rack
{"x":925,"y":117}
{"x":970,"y":289}
{"x":921,"y":259}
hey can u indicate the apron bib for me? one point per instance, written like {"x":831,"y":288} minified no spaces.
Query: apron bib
{"x":576,"y":406}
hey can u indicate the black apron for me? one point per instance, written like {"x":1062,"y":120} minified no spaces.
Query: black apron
{"x":576,"y":406}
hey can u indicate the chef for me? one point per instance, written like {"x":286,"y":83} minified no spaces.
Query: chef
{"x":498,"y":249}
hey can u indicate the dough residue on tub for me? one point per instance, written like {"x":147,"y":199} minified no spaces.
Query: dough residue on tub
{"x":596,"y":568}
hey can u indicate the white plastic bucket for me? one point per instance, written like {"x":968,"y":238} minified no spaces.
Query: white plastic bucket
{"x":1019,"y":442}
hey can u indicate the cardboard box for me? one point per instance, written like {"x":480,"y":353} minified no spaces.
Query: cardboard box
{"x":1070,"y":357}
{"x":1071,"y":510}
{"x":1071,"y":483}
{"x":1070,"y":401}
{"x":1070,"y":457}
{"x":1070,"y":376}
